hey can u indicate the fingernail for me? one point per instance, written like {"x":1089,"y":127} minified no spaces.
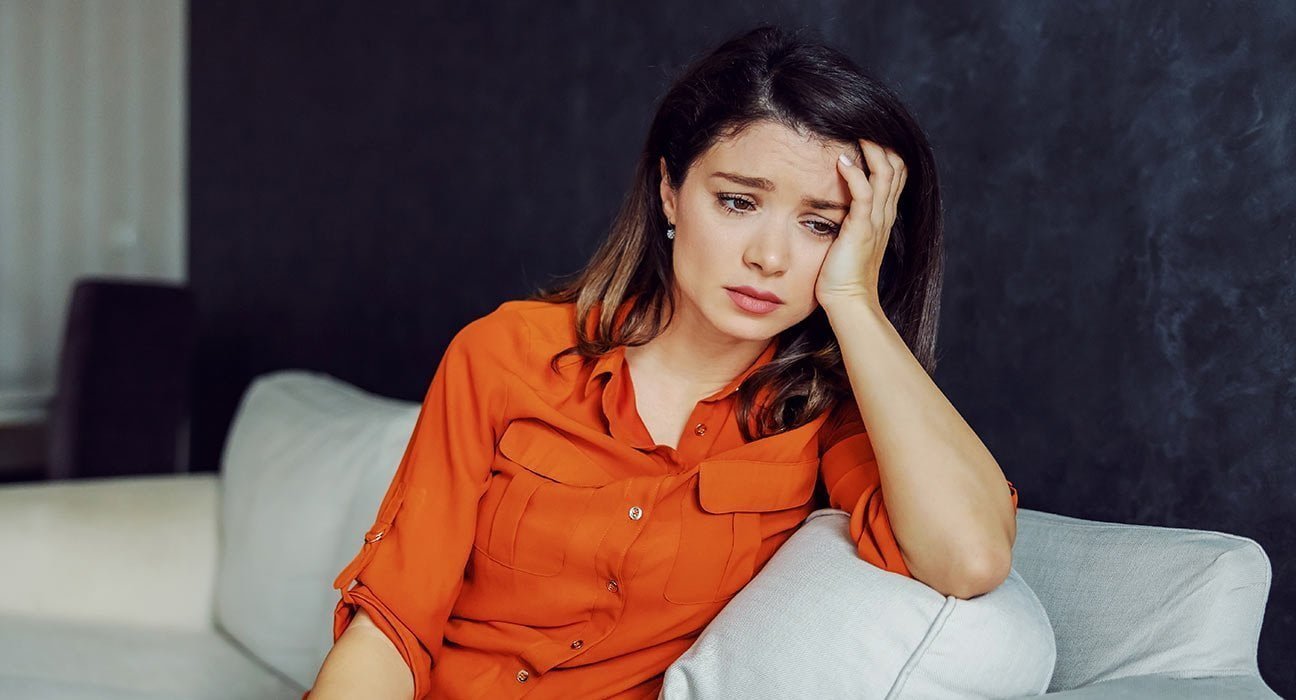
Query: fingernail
{"x":845,"y":159}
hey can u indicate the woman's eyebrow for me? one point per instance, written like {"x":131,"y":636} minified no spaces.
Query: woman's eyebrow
{"x":761,"y":183}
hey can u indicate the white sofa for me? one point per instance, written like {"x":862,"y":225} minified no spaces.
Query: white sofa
{"x":199,"y":586}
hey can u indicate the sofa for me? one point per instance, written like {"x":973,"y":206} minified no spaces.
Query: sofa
{"x":207,"y":585}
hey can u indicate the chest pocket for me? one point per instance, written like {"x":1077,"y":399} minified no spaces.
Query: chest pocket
{"x":722,"y":523}
{"x":539,"y":489}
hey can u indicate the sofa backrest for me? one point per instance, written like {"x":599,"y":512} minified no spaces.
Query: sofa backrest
{"x":1139,"y":599}
{"x":305,"y":467}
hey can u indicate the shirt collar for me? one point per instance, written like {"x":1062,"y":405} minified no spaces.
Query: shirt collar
{"x":617,"y":402}
{"x":612,"y":363}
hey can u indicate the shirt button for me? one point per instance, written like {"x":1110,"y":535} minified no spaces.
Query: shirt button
{"x":636,"y":512}
{"x":577,"y":644}
{"x":612,"y":586}
{"x":523,"y":675}
{"x":699,"y":429}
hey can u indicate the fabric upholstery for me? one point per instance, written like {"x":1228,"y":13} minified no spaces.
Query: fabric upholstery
{"x":303,"y":472}
{"x":50,"y":659}
{"x":137,"y":550}
{"x":818,"y":621}
{"x":1129,"y":600}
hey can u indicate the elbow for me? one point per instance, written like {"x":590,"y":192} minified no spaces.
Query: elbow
{"x":983,"y":574}
{"x":965,"y":582}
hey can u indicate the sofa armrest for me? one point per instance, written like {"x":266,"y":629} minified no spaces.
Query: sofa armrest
{"x":1132,"y":600}
{"x":137,"y":550}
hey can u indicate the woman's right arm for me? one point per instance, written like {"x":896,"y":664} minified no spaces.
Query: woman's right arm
{"x":363,"y":663}
{"x":389,"y":627}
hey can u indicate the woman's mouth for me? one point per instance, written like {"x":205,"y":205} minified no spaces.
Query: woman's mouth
{"x":751,"y":304}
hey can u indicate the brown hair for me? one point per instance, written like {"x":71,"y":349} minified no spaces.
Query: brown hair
{"x":766,"y":74}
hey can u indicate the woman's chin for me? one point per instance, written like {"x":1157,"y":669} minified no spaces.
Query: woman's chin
{"x":744,"y":327}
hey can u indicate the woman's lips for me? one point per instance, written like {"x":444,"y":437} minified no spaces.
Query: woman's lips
{"x":752,"y":304}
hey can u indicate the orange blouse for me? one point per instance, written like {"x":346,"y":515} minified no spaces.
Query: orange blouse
{"x":536,"y":542}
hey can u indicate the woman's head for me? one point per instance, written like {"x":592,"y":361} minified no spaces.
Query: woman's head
{"x":758,"y":208}
{"x":773,"y":105}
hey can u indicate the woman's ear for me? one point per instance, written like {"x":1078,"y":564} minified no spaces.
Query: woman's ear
{"x":667,"y":193}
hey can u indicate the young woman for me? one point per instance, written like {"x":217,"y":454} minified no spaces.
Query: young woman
{"x":596,"y":470}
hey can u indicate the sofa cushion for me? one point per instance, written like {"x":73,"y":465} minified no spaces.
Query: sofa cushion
{"x":818,"y":621}
{"x":305,"y":467}
{"x":149,"y":541}
{"x":56,"y":659}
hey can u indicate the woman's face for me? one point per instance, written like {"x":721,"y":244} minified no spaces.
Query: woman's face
{"x":759,"y":210}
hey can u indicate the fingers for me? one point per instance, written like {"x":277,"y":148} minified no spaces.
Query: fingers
{"x":860,"y":190}
{"x":878,"y":190}
{"x":879,"y":181}
{"x":892,"y":173}
{"x":897,"y":185}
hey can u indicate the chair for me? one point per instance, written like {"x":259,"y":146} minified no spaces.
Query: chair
{"x":122,"y":401}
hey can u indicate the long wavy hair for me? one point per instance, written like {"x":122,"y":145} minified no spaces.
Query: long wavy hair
{"x":623,"y":296}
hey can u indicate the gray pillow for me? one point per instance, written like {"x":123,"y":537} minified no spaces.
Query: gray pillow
{"x":818,"y":621}
{"x":308,"y":459}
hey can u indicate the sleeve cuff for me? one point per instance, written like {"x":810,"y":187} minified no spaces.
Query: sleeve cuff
{"x":416,"y":656}
{"x":871,"y":529}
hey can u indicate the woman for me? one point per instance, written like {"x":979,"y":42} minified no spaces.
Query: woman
{"x":596,"y":470}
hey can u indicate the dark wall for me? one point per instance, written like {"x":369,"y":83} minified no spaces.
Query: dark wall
{"x":1120,"y":308}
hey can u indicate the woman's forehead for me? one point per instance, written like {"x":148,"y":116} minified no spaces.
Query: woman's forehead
{"x":773,"y":157}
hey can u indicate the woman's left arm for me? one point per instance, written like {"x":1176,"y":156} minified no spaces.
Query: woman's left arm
{"x":950,"y":508}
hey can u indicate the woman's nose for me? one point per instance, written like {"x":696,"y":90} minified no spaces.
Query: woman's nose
{"x":768,"y":248}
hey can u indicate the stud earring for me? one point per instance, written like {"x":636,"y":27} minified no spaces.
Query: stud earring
{"x":670,"y":232}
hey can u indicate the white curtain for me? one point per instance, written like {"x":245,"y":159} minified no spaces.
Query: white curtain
{"x":92,"y":179}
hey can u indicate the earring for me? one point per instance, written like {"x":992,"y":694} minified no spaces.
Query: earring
{"x":670,"y":232}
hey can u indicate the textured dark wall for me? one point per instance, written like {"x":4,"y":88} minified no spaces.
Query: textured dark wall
{"x":1120,"y":309}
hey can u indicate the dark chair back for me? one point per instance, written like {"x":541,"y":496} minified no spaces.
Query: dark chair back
{"x":122,"y":400}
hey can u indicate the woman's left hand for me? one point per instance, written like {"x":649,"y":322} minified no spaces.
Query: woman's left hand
{"x":854,"y":260}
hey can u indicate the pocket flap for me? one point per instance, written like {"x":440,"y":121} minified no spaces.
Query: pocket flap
{"x":545,"y":451}
{"x":728,"y":485}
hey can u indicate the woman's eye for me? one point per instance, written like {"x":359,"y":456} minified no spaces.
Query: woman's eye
{"x":746,"y":205}
{"x":734,"y":198}
{"x":827,"y":230}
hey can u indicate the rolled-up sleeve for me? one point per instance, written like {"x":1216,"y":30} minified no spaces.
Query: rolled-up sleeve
{"x":854,"y":484}
{"x":410,"y":567}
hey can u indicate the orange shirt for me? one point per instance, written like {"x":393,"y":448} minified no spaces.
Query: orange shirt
{"x":536,"y":542}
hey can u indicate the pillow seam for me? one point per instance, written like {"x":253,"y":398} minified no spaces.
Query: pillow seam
{"x":933,"y":629}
